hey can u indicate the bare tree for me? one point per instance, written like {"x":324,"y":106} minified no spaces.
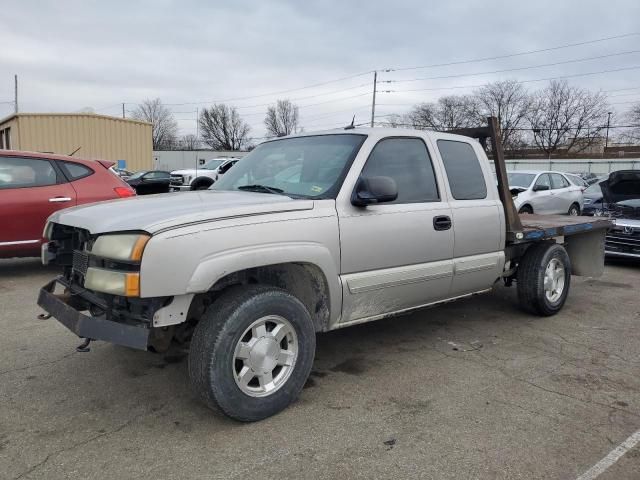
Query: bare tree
{"x":632,"y":134}
{"x":164,"y":127}
{"x":509,"y":102}
{"x":189,"y":142}
{"x":281,"y":119}
{"x":454,"y":111}
{"x":395,"y":120}
{"x":565,"y":116}
{"x":222,"y":128}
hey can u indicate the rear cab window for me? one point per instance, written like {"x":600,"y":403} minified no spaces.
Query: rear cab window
{"x":466,"y":178}
{"x":17,"y":172}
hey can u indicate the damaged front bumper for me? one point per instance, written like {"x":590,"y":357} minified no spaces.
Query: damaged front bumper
{"x":61,"y":307}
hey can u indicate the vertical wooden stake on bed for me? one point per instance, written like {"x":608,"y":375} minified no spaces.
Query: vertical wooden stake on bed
{"x":512,"y":218}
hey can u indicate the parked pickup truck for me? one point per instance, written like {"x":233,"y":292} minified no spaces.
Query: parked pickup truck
{"x":203,"y":177}
{"x":306,"y":234}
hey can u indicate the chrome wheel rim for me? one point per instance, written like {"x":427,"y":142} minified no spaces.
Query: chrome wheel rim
{"x":554,"y":279}
{"x":265,"y":356}
{"x":573,"y":211}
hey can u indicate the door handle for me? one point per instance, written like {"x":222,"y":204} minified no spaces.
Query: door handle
{"x":60,"y":199}
{"x":441,"y":222}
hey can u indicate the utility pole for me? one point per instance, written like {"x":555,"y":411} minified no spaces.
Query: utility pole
{"x":15,"y":81}
{"x":373,"y":104}
{"x":606,"y":140}
{"x":123,"y":110}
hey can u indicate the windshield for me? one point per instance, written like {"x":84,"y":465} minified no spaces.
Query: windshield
{"x":595,"y":188}
{"x":137,"y":175}
{"x":520,"y":179}
{"x":212,"y":164}
{"x":300,"y":167}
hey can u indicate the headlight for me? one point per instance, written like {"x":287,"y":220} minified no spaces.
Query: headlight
{"x":126,"y":284}
{"x":126,"y":247}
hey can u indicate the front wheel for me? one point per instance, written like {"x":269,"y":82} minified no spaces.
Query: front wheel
{"x":574,"y":210}
{"x":525,"y":209}
{"x":252,"y":352}
{"x":544,"y":277}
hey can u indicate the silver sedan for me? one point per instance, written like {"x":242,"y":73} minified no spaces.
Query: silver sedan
{"x":545,"y":192}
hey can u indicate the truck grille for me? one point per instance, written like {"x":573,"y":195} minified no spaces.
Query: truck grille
{"x":623,"y":240}
{"x":80,"y":262}
{"x":177,"y":180}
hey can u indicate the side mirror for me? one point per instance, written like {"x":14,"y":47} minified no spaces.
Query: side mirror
{"x":370,"y":190}
{"x":540,"y":188}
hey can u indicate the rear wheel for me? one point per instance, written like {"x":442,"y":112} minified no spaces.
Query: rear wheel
{"x":574,"y":210}
{"x":544,"y":277}
{"x":252,"y":352}
{"x":525,"y":209}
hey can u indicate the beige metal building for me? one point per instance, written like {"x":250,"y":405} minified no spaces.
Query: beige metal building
{"x":96,"y":137}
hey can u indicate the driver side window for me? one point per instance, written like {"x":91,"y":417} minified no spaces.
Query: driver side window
{"x":407,"y":162}
{"x":543,"y":180}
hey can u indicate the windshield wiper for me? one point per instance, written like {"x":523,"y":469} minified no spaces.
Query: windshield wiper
{"x":261,"y":188}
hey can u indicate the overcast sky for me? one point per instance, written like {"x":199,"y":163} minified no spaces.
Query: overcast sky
{"x":71,"y":55}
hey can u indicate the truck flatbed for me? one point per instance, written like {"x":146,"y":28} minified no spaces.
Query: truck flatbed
{"x":542,"y":227}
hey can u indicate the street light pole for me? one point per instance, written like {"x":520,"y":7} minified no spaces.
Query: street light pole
{"x":373,"y":103}
{"x":606,"y":140}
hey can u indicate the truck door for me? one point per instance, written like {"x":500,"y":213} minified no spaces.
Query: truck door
{"x":477,"y":217}
{"x":396,"y":255}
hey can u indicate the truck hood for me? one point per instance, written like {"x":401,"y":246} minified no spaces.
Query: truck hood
{"x":152,"y":213}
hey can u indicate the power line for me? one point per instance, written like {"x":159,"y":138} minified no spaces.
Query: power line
{"x":328,"y":114}
{"x":520,"y":81}
{"x":497,"y":57}
{"x":520,"y":129}
{"x":622,"y":89}
{"x":275,"y":93}
{"x":513,"y":69}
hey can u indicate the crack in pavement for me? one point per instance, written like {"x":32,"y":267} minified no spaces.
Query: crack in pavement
{"x":535,"y":385}
{"x":4,"y":372}
{"x":33,"y":468}
{"x":543,"y":414}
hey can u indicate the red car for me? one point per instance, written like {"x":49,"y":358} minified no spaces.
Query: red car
{"x":34,"y":185}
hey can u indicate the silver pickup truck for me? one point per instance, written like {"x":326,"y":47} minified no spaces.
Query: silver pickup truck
{"x":305,"y":234}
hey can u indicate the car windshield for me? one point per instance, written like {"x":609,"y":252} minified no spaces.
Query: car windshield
{"x":137,"y":175}
{"x":299,"y":167}
{"x":212,"y":164}
{"x":523,"y":180}
{"x":595,"y":187}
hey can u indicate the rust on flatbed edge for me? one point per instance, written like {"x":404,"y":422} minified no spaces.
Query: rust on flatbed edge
{"x":541,"y":227}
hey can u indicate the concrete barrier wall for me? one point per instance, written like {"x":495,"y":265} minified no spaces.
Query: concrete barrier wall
{"x":575,"y":165}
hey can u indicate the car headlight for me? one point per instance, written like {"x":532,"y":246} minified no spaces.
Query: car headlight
{"x":127,"y":247}
{"x":126,"y":284}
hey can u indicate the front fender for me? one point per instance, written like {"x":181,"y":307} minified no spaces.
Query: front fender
{"x":219,"y":265}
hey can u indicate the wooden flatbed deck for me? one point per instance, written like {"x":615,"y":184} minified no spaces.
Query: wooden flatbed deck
{"x":541,"y":227}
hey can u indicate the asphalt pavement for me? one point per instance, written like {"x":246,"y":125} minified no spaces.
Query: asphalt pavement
{"x":471,"y":389}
